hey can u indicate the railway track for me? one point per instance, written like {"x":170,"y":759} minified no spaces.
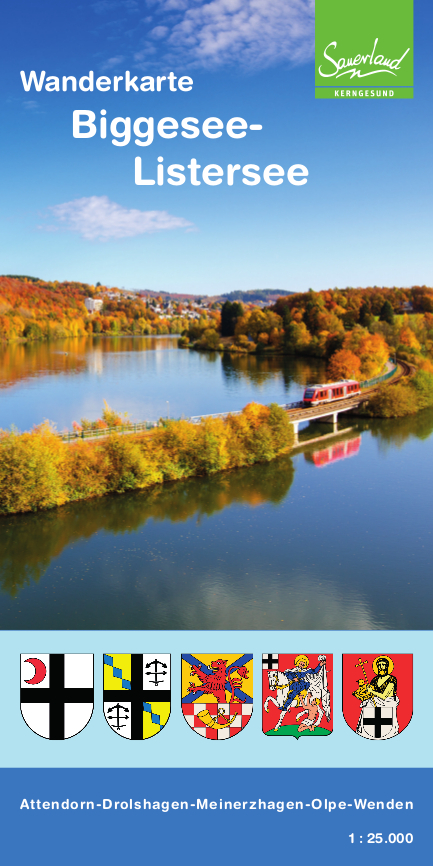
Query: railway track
{"x":302,"y":414}
{"x":296,"y":413}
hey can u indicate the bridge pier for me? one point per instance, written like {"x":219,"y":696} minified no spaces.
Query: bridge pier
{"x":295,"y":430}
{"x":331,"y":419}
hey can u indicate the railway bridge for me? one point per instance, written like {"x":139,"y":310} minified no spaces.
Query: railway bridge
{"x":328,"y":412}
{"x":299,"y":413}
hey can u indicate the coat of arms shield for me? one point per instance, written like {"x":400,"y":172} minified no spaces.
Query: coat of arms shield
{"x":297,"y":695}
{"x":137,"y":693}
{"x":56,"y":693}
{"x":378,"y":693}
{"x":217,"y":693}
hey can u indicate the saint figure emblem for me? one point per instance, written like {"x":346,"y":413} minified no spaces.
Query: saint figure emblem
{"x":377,"y":694}
{"x":297,"y":695}
{"x":137,"y":693}
{"x":217,"y":693}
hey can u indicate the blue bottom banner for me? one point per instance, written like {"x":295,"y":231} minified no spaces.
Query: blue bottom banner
{"x":214,"y":816}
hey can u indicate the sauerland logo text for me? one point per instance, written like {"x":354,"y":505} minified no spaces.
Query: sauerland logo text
{"x":364,"y":43}
{"x":360,"y":65}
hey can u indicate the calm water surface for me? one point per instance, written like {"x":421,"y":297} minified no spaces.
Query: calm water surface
{"x":147,"y":377}
{"x":336,"y":537}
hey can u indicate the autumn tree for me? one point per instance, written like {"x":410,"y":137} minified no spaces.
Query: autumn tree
{"x":38,"y":470}
{"x":343,"y":364}
{"x":371,"y":349}
{"x":393,"y":401}
{"x":255,"y":322}
{"x":408,"y":339}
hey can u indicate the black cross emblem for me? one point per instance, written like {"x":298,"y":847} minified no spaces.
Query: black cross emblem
{"x":270,"y":662}
{"x":136,"y":695}
{"x":57,"y":695}
{"x":155,"y":672}
{"x":377,"y":723}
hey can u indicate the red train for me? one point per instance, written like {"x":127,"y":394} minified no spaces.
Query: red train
{"x":314,"y":395}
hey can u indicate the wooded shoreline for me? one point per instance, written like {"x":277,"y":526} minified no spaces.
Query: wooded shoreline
{"x":39,"y":471}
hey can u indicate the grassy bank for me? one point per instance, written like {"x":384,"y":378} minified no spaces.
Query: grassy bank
{"x":39,"y":471}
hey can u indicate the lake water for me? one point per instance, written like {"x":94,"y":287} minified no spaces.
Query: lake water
{"x":148,"y":377}
{"x":338,"y":536}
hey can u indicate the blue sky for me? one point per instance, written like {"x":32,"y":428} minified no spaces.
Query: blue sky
{"x":70,"y":208}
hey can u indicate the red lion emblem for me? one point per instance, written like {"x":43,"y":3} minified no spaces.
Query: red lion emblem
{"x":215,"y":683}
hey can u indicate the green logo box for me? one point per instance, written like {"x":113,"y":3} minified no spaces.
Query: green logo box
{"x":364,"y":44}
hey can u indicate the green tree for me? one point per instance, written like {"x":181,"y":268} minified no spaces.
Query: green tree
{"x":423,"y":386}
{"x":210,"y":340}
{"x":230,"y":313}
{"x":393,"y":401}
{"x":387,"y":313}
{"x":365,"y":316}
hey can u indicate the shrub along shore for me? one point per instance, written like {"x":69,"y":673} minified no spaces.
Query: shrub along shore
{"x":406,"y":397}
{"x":39,"y":471}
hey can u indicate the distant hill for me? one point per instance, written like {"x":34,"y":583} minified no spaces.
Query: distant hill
{"x":252,"y":295}
{"x":22,"y":277}
{"x":249,"y":296}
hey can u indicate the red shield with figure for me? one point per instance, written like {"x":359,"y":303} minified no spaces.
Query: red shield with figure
{"x":378,"y":693}
{"x":297,"y":694}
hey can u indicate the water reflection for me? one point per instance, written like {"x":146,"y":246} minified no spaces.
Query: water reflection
{"x":69,"y":379}
{"x":395,"y":432}
{"x":32,"y":541}
{"x":340,"y":450}
{"x":276,"y":546}
{"x":21,"y":361}
{"x":281,"y":545}
{"x":259,"y":369}
{"x":301,"y":604}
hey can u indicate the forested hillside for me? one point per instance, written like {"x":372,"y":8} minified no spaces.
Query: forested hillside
{"x":32,"y":309}
{"x":355,"y":330}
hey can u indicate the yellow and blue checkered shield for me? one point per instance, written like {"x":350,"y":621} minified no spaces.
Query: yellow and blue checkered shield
{"x":137,"y":693}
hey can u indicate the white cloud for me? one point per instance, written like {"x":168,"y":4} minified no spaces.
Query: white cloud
{"x":210,"y":34}
{"x":113,"y":62}
{"x":158,"y":32}
{"x":98,"y":218}
{"x":251,"y":33}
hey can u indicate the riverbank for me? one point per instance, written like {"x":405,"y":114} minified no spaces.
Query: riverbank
{"x":405,"y":397}
{"x":38,"y":471}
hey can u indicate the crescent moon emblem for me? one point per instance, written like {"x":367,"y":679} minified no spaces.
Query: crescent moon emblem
{"x":39,"y":674}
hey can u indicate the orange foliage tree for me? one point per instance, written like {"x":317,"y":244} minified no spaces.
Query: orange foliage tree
{"x":371,"y":349}
{"x":32,"y":309}
{"x":344,"y":364}
{"x":408,"y":338}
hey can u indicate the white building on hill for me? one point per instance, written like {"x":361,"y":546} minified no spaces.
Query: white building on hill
{"x":93,"y":305}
